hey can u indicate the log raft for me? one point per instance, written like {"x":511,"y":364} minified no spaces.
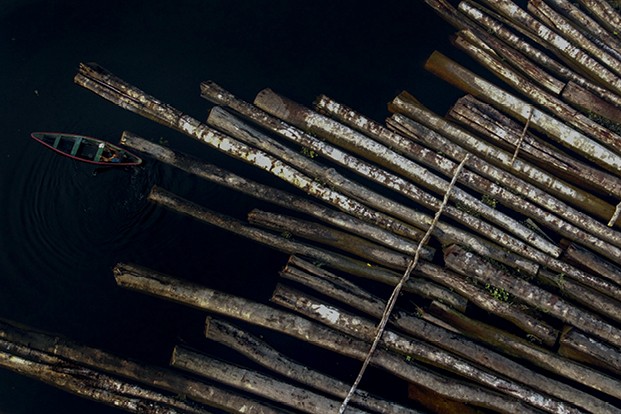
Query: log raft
{"x":520,"y":314}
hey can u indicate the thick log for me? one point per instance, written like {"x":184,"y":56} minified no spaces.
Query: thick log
{"x":560,"y":25}
{"x":331,"y":259}
{"x":505,"y":133}
{"x":593,"y":263}
{"x":560,"y":45}
{"x":190,"y":294}
{"x":411,"y":149}
{"x":577,"y":346}
{"x":436,"y":403}
{"x":345,"y":137}
{"x":421,"y":351}
{"x":263,"y":354}
{"x":588,"y":127}
{"x":451,"y":341}
{"x":456,"y":74}
{"x":526,"y":350}
{"x":444,"y":232}
{"x":536,"y":54}
{"x":263,"y":192}
{"x":592,"y":105}
{"x":91,"y":384}
{"x":470,"y":265}
{"x":330,"y":237}
{"x":605,"y":15}
{"x":254,"y":382}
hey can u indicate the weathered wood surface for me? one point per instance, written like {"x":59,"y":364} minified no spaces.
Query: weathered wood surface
{"x":605,"y":14}
{"x":470,"y":265}
{"x":263,"y":192}
{"x":263,"y":354}
{"x":593,"y":263}
{"x":591,"y":104}
{"x":449,"y":340}
{"x":419,"y":350}
{"x":100,"y":363}
{"x":353,"y":141}
{"x":462,"y":78}
{"x":578,"y":346}
{"x":254,"y":382}
{"x":190,"y":294}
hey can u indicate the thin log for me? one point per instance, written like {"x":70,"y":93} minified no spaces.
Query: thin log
{"x":560,"y":25}
{"x":599,"y":284}
{"x":151,"y":376}
{"x":353,"y":141}
{"x":504,"y":131}
{"x":447,"y":339}
{"x":593,"y":263}
{"x":526,"y":350}
{"x":589,"y":128}
{"x":459,"y":76}
{"x":91,"y":384}
{"x":329,"y":284}
{"x":254,"y":382}
{"x":558,"y":44}
{"x":133,"y":277}
{"x":579,"y":347}
{"x":263,"y":354}
{"x":605,"y":15}
{"x":365,"y":329}
{"x":470,"y":265}
{"x":330,"y":237}
{"x":492,"y":25}
{"x":444,"y":233}
{"x":592,"y":105}
{"x":436,"y":403}
{"x":444,"y":164}
{"x":334,"y":260}
{"x":263,"y":192}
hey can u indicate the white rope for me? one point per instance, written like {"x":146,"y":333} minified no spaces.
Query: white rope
{"x":519,"y":144}
{"x":615,"y":216}
{"x":395,"y":293}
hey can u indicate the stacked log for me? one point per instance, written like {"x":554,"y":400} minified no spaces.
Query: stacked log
{"x":521,"y":312}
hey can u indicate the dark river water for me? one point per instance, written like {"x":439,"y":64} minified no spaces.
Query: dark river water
{"x":62,"y":228}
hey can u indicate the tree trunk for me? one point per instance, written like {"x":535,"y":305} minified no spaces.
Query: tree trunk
{"x":593,"y":263}
{"x":605,"y":15}
{"x":579,"y":347}
{"x":592,"y":105}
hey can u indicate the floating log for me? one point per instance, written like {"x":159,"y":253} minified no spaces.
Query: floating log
{"x":593,"y":263}
{"x":263,"y":192}
{"x":107,"y":365}
{"x":505,"y":133}
{"x":190,"y":294}
{"x":254,"y":382}
{"x":526,"y":350}
{"x":577,"y":346}
{"x":351,"y":140}
{"x":456,"y":74}
{"x":452,"y":341}
{"x":261,"y":353}
{"x":424,"y":352}
{"x":470,"y":265}
{"x":444,"y":232}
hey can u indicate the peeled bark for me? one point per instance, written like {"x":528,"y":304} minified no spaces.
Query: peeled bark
{"x":593,"y":263}
{"x":592,"y":105}
{"x":605,"y":15}
{"x":471,"y":265}
{"x":579,"y":347}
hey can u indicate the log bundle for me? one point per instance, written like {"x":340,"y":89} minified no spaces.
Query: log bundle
{"x":514,"y":303}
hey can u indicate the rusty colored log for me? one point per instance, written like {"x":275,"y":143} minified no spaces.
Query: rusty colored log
{"x":505,"y":132}
{"x":351,"y":140}
{"x":459,"y":76}
{"x":421,"y":351}
{"x":190,"y":294}
{"x":593,"y":263}
{"x":526,"y":350}
{"x":605,"y":15}
{"x":592,"y":105}
{"x":260,"y":352}
{"x":470,"y":265}
{"x":579,"y":347}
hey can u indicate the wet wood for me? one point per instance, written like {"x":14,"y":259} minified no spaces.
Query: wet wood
{"x":591,"y":262}
{"x":365,"y":329}
{"x":470,"y":265}
{"x":504,"y":132}
{"x":592,"y":105}
{"x":190,"y":294}
{"x":254,"y":382}
{"x":263,"y":192}
{"x":263,"y":354}
{"x":527,"y":351}
{"x":579,"y":347}
{"x":345,"y":137}
{"x":555,"y":129}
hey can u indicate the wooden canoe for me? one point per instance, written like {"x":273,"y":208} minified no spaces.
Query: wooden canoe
{"x":87,"y":149}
